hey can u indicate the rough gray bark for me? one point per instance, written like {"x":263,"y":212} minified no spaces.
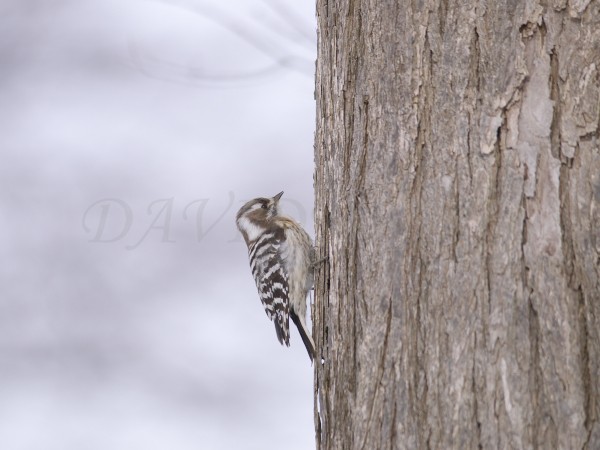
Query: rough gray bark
{"x":458,"y":200}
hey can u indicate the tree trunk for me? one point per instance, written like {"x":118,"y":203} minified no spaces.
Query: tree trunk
{"x":458,"y":202}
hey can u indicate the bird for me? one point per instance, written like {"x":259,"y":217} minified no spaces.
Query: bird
{"x":281,"y":255}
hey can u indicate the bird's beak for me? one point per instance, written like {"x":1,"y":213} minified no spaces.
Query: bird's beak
{"x":277,"y":197}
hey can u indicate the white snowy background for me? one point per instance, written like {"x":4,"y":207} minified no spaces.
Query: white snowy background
{"x":131,"y":131}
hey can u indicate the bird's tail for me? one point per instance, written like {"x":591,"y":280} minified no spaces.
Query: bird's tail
{"x":304,"y":334}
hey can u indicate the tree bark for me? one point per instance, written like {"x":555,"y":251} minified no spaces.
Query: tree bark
{"x":458,"y":203}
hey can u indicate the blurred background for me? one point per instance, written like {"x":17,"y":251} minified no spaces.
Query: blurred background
{"x":130,"y":134}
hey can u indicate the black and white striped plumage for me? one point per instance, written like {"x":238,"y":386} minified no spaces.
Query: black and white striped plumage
{"x":281,"y":259}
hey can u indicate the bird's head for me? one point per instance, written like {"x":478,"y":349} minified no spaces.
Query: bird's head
{"x":253,"y":218}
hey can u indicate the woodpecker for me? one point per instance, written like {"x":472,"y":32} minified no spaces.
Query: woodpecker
{"x":281,"y":257}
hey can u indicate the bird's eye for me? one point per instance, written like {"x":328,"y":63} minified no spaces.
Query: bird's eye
{"x":263,"y":206}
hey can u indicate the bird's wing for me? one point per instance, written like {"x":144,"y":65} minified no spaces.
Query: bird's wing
{"x":272,"y":281}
